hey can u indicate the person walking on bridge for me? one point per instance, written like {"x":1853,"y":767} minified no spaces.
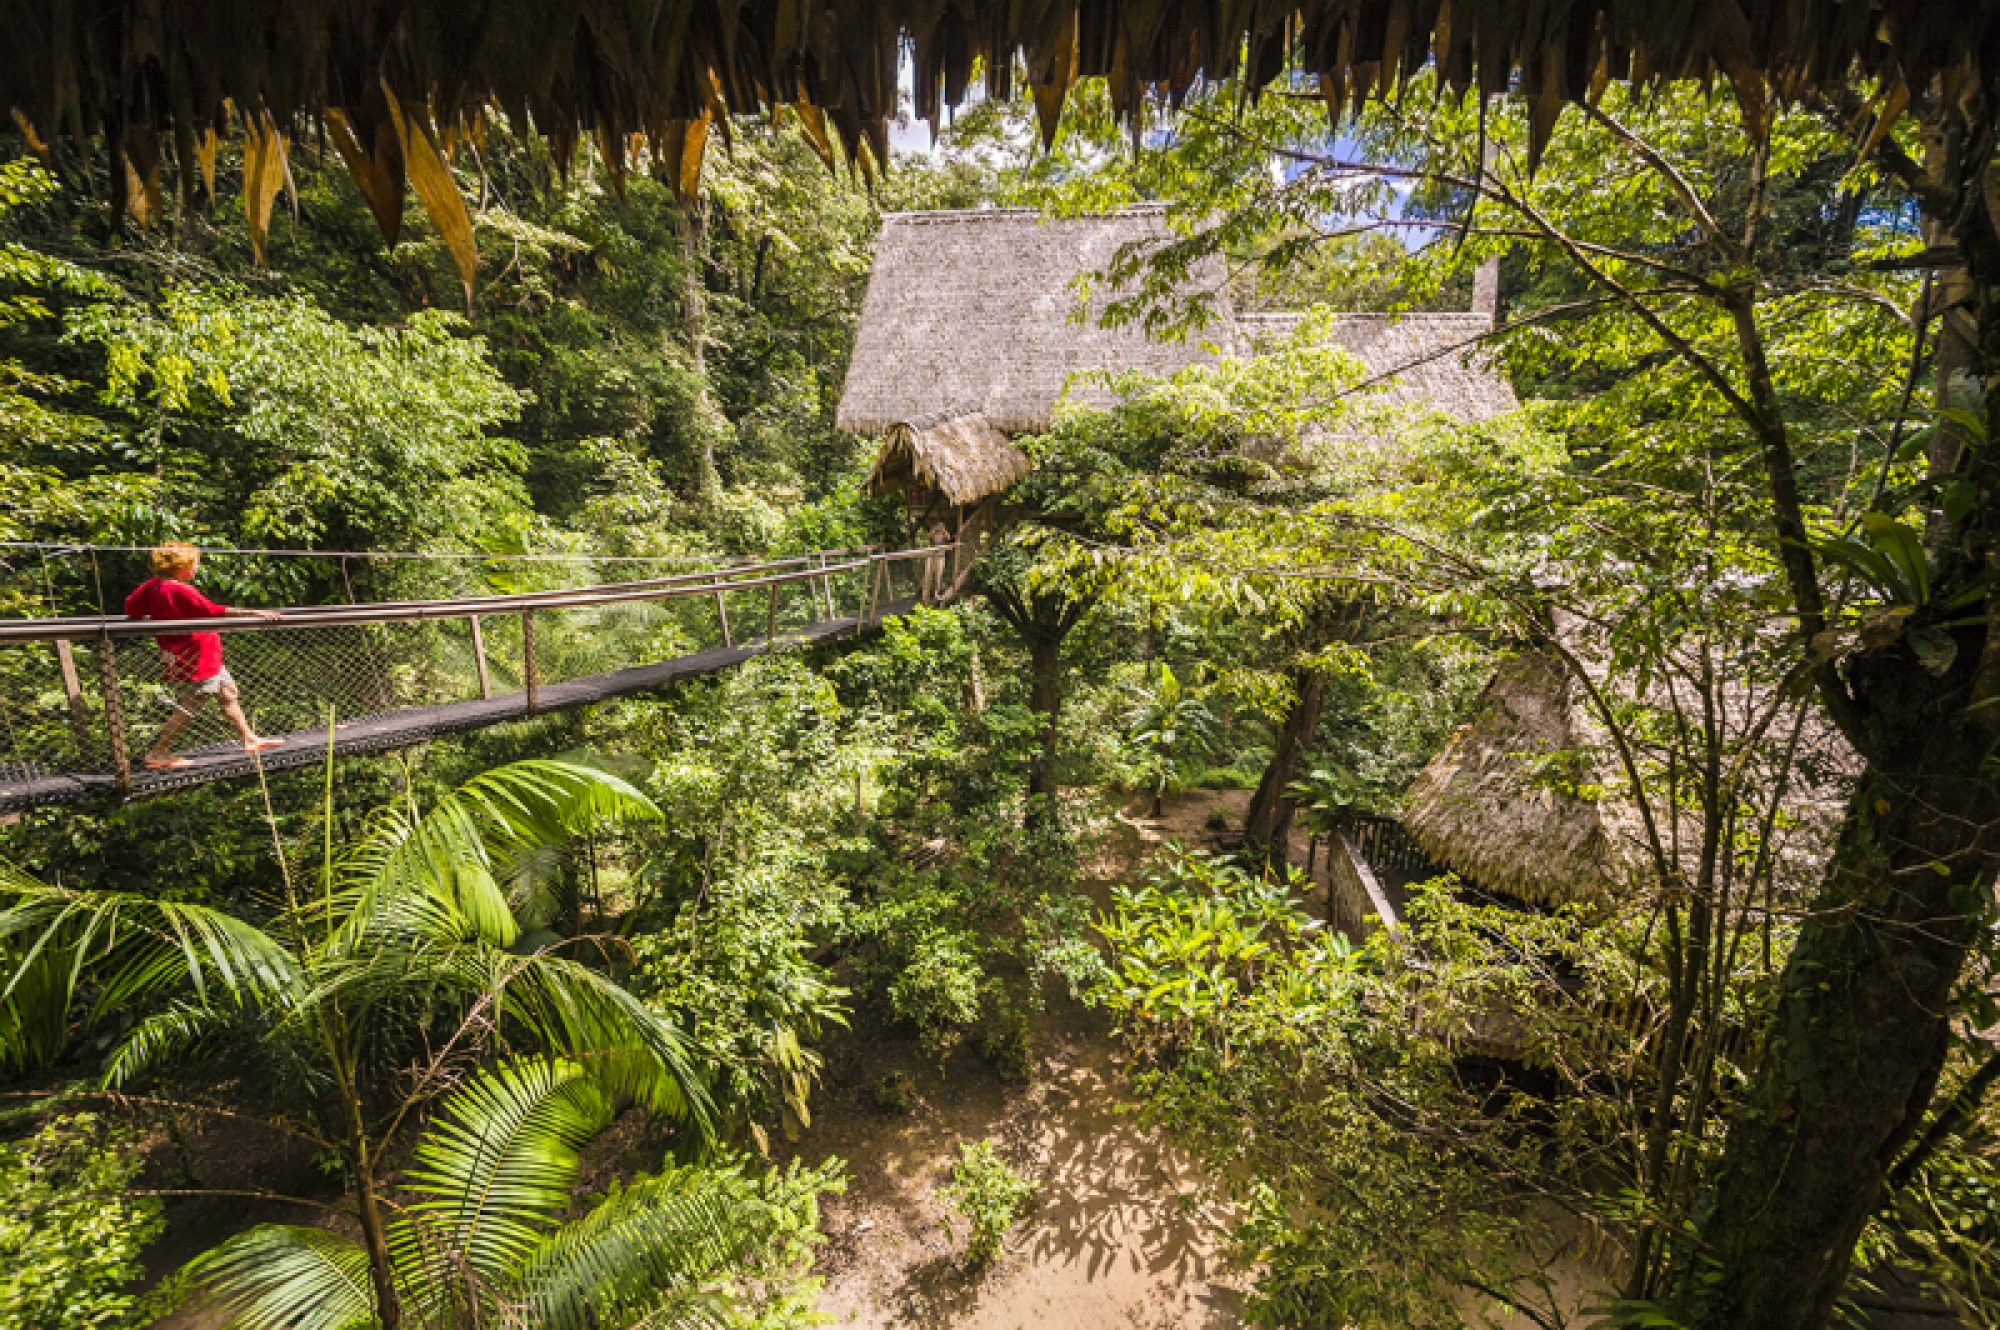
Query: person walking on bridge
{"x":191,"y":662}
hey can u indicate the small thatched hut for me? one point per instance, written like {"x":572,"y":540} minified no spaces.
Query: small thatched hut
{"x":957,"y":460}
{"x":1499,"y":803}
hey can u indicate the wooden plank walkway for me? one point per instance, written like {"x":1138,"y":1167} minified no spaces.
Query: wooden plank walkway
{"x":408,"y":727}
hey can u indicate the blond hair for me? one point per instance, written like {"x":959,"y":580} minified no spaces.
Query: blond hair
{"x":173,"y":558}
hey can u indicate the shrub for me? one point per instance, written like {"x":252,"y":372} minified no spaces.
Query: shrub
{"x":1009,"y":1048}
{"x":1217,"y":820}
{"x":939,"y":990}
{"x":69,"y":1240}
{"x":896,"y":1092}
{"x":989,"y":1196}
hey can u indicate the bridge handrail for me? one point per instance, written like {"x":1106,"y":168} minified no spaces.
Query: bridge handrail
{"x":706,"y":582}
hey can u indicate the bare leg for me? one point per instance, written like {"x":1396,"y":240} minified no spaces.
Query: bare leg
{"x":186,"y":705}
{"x":232,"y":709}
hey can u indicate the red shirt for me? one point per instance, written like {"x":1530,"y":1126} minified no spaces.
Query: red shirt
{"x":191,"y":657}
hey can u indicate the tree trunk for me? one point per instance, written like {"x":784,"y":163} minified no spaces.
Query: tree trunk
{"x":1045,"y":700}
{"x":694,"y":326}
{"x":374,"y":1236}
{"x":1853,"y":1049}
{"x":1271,"y":808}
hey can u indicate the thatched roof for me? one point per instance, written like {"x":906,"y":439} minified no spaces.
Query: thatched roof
{"x":1483,"y":808}
{"x":978,"y":311}
{"x":1504,"y":803}
{"x":965,"y":458}
{"x":1424,"y":360}
{"x":615,"y":67}
{"x":150,"y":81}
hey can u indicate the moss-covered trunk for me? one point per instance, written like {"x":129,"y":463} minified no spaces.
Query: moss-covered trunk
{"x":1861,"y":1023}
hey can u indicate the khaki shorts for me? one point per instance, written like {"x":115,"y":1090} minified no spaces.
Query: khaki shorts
{"x":193,"y":693}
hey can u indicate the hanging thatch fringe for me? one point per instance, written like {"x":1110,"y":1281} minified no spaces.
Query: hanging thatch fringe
{"x":609,"y":68}
{"x":963,"y":457}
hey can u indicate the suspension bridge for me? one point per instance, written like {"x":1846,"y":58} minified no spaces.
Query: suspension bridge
{"x":81,"y":698}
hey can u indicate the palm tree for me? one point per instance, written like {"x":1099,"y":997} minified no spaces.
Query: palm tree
{"x":479,"y":1242}
{"x":382,"y":989}
{"x":1169,"y":722}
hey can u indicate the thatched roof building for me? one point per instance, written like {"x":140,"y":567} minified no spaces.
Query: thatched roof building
{"x":1527,"y":798}
{"x":964,"y":458}
{"x":1491,"y":805}
{"x":1421,"y":360}
{"x":979,"y":311}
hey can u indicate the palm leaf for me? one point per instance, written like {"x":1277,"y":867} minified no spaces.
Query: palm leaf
{"x":298,"y":1278}
{"x":498,"y":1163}
{"x":632,"y":1050}
{"x":172,"y":1034}
{"x":464,"y":845}
{"x":133,"y":949}
{"x":650,"y":1254}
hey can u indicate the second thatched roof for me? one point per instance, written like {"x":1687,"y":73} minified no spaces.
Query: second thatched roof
{"x":1495,"y":805}
{"x":963,"y":457}
{"x":1426,"y":361}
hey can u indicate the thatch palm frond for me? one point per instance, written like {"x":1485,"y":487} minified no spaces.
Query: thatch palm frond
{"x":632,"y":1050}
{"x":651,"y":1255}
{"x":173,"y":1034}
{"x":499,"y":1162}
{"x":464,"y":846}
{"x":131,"y":949}
{"x":480,"y":1238}
{"x":299,"y":1278}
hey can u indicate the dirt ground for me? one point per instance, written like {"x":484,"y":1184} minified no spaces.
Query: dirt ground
{"x":1120,"y":1237}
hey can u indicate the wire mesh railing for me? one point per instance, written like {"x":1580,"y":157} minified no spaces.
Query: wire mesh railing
{"x":89,"y":694}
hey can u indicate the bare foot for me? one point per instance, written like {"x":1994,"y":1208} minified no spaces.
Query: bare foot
{"x":167,"y":763}
{"x":259,"y":745}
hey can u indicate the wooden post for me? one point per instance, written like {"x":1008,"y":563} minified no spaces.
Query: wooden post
{"x":825,"y":587}
{"x":479,"y":657}
{"x":722,"y":613}
{"x":79,"y":714}
{"x":528,"y":657}
{"x":771,"y":628}
{"x":114,"y":712}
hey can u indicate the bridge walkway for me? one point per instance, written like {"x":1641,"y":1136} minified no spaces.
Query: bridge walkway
{"x":81,"y":698}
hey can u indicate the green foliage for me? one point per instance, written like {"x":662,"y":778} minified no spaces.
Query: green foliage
{"x":273,"y":419}
{"x":489,"y":1179}
{"x":1169,"y":724}
{"x":990,"y":1196}
{"x":1009,"y":1048}
{"x":70,"y":1231}
{"x":1380,"y":1177}
{"x":896,"y":1092}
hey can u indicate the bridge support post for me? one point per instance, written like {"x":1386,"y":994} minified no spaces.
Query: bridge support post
{"x":771,"y":626}
{"x":79,"y":714}
{"x":114,"y":712}
{"x":528,"y":658}
{"x":479,"y":657}
{"x":722,"y":613}
{"x":825,"y":588}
